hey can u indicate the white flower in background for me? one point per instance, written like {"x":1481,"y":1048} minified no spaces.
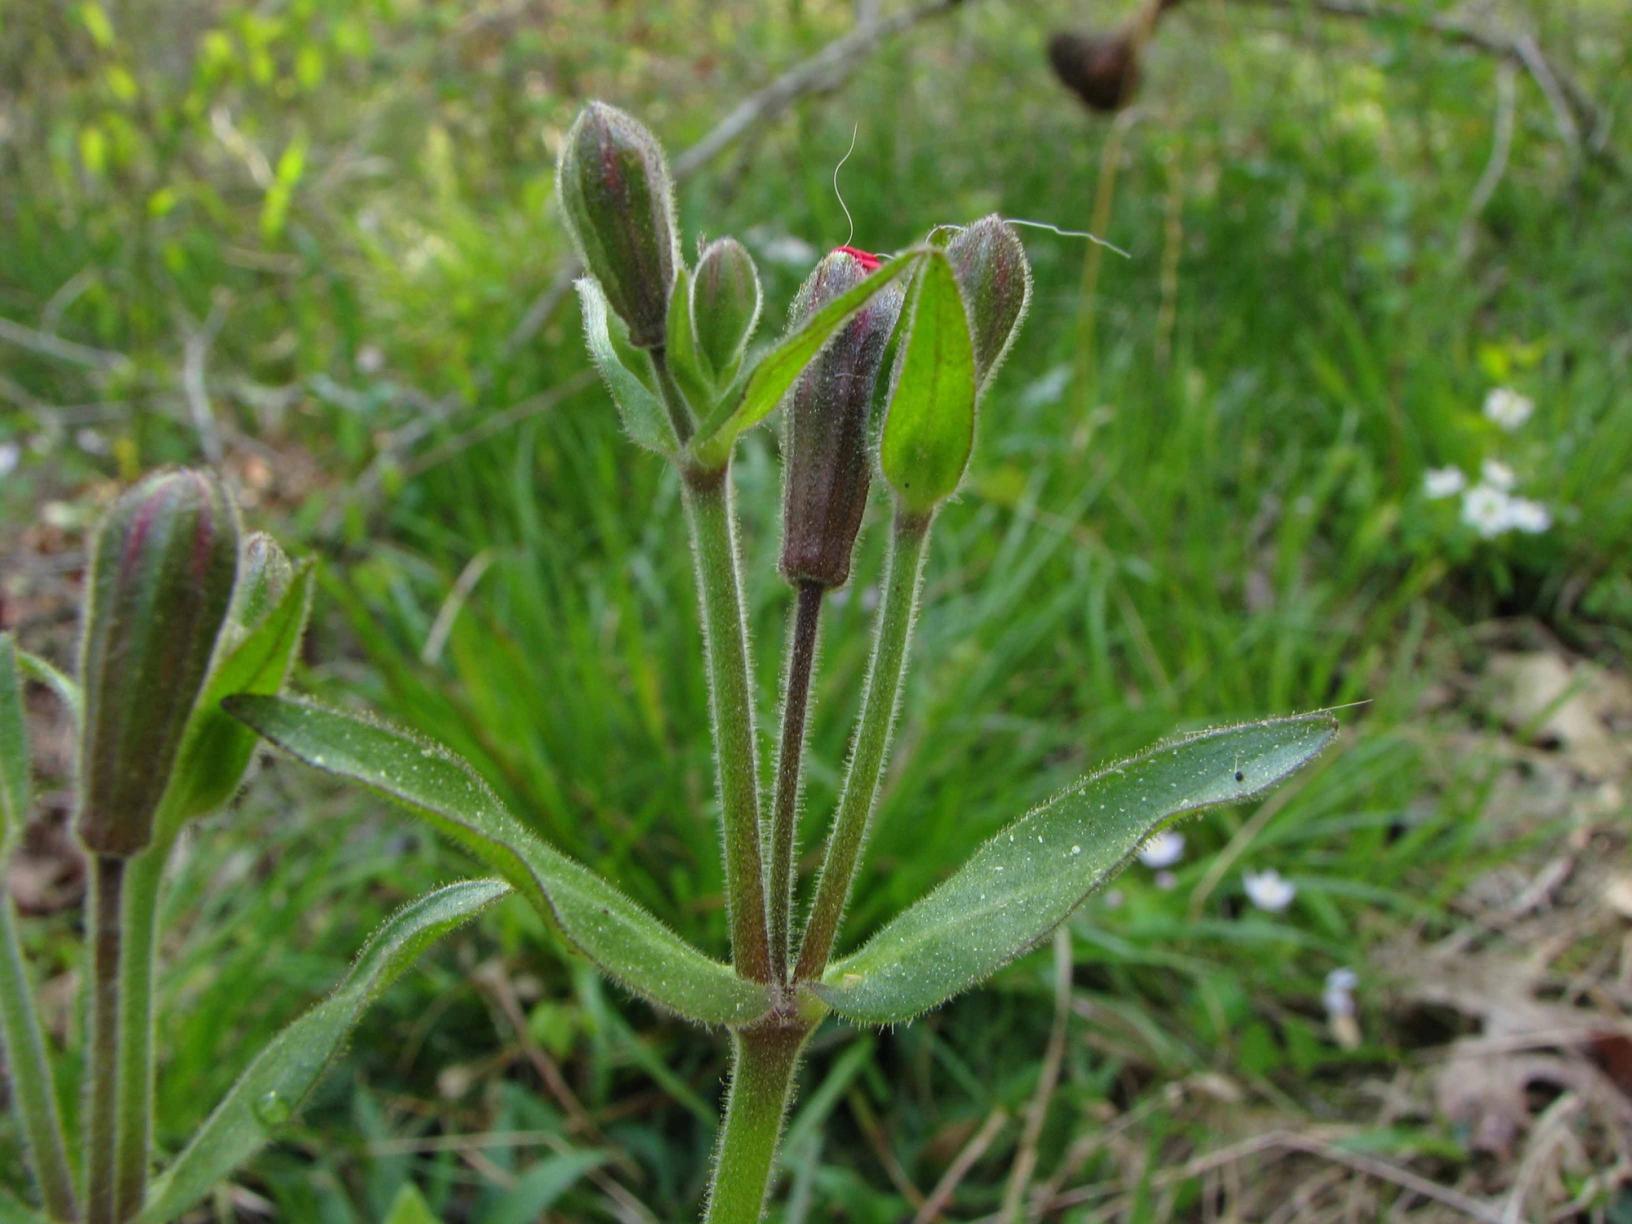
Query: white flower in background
{"x":1269,"y":890}
{"x":1113,"y":899}
{"x":10,"y":452}
{"x":1497,"y":475}
{"x":1485,"y":510}
{"x":1163,"y":850}
{"x":1338,"y":996}
{"x":1165,"y":880}
{"x":1443,"y":482}
{"x":1530,"y":517}
{"x":1507,"y":408}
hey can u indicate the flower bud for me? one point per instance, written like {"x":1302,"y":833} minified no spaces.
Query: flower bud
{"x":264,"y":576}
{"x":725,"y":303}
{"x":160,"y":586}
{"x":826,"y":467}
{"x":614,"y":188}
{"x":995,"y":281}
{"x":1101,"y":69}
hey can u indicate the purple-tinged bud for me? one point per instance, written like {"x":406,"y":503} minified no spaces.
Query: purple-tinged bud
{"x":161,"y":583}
{"x":614,"y":189}
{"x":995,"y":280}
{"x":826,"y":465}
{"x":725,"y":302}
{"x":264,"y":576}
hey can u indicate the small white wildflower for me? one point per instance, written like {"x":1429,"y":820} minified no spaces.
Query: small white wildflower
{"x":1443,"y":482}
{"x":1166,"y":880}
{"x":10,"y":453}
{"x":1507,"y":408}
{"x":1530,"y":517}
{"x":91,"y":442}
{"x":370,"y":359}
{"x":1113,"y":899}
{"x":1163,"y":850}
{"x":1485,"y":510}
{"x":1497,"y":475}
{"x":1338,"y":996}
{"x":1269,"y":890}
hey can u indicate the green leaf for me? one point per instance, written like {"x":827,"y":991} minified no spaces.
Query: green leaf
{"x":929,"y":425}
{"x":1025,"y":881}
{"x":780,"y":368}
{"x":435,"y":785}
{"x":16,"y":777}
{"x":284,"y":1073}
{"x":541,"y":1185}
{"x":685,"y":361}
{"x":218,"y":747}
{"x":608,"y":340}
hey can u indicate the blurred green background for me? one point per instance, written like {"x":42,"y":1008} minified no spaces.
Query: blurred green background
{"x":314,"y":242}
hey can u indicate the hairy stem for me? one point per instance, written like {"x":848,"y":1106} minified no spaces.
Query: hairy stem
{"x":136,"y":1025}
{"x":674,"y":399}
{"x":731,"y":707}
{"x":763,"y":1063}
{"x":102,"y":1130}
{"x":30,"y":1072}
{"x":891,"y":638}
{"x":807,"y":619}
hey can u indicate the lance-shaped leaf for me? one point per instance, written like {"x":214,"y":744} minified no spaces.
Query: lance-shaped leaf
{"x":1025,"y":881}
{"x":434,"y":784}
{"x":283,"y":1075}
{"x":615,"y":359}
{"x":778,"y":369}
{"x":15,"y":772}
{"x":59,"y":682}
{"x":218,"y":747}
{"x":929,"y":426}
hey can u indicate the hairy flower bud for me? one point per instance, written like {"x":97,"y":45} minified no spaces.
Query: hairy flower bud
{"x":995,"y":281}
{"x":161,"y":583}
{"x":264,"y":575}
{"x":826,"y":467}
{"x":725,"y":303}
{"x":614,"y":188}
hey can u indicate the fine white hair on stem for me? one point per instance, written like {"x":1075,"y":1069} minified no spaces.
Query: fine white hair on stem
{"x":1042,"y":225}
{"x":851,"y":221}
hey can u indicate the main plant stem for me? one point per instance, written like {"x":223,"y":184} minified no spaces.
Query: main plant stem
{"x":763,"y":1063}
{"x":878,"y":706}
{"x":731,"y":705}
{"x":146,"y":873}
{"x":30,"y":1072}
{"x":807,"y":619}
{"x":102,"y":1130}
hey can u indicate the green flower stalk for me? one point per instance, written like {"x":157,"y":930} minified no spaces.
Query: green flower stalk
{"x":613,"y":184}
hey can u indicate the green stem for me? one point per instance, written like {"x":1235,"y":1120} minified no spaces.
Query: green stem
{"x":763,"y":1063}
{"x":892,"y":636}
{"x":102,"y":1130}
{"x":731,"y":707}
{"x":807,"y":619}
{"x":674,"y":400}
{"x":31,"y":1072}
{"x":136,"y":1025}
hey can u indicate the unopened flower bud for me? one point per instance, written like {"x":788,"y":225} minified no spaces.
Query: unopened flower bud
{"x":995,"y":280}
{"x":614,"y":188}
{"x":826,"y":467}
{"x":725,"y":302}
{"x":160,"y":586}
{"x":265,"y":573}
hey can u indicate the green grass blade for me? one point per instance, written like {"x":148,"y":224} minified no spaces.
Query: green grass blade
{"x":1025,"y":881}
{"x":776,"y":371}
{"x":622,"y":938}
{"x":286,"y":1071}
{"x":16,"y":785}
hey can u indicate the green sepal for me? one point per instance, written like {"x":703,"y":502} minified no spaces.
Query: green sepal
{"x":430,"y":782}
{"x":685,"y":361}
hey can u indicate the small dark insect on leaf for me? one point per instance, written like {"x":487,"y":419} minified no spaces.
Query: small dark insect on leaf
{"x":1239,"y":776}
